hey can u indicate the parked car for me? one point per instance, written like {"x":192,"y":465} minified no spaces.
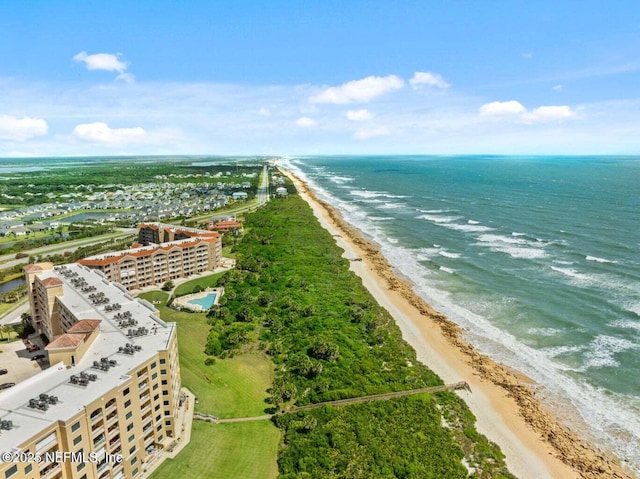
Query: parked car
{"x":6,"y":385}
{"x":3,"y":371}
{"x":33,"y":347}
{"x":38,"y":357}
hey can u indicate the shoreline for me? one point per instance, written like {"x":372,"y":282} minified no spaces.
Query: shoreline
{"x":535,"y":443}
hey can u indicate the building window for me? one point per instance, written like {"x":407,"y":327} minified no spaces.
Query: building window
{"x":133,"y":449}
{"x":131,"y":438}
{"x":134,"y":472}
{"x":12,"y":471}
{"x":164,"y":382}
{"x":154,"y":375}
{"x":129,"y":427}
{"x":77,"y":440}
{"x":153,"y":365}
{"x":28,"y":469}
{"x":80,"y":466}
{"x":157,"y":407}
{"x":156,"y":397}
{"x":155,"y":386}
{"x":128,"y":415}
{"x":166,"y":403}
{"x":75,"y":427}
{"x":158,"y":417}
{"x":163,"y":361}
{"x":163,"y":371}
{"x":125,"y":392}
{"x":127,"y":403}
{"x":134,"y":460}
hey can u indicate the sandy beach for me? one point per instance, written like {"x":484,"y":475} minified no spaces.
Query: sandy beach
{"x":535,"y":443}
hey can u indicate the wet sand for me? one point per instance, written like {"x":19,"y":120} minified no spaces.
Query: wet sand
{"x":535,"y":443}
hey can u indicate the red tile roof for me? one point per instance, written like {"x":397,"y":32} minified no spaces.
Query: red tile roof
{"x":64,"y":341}
{"x":52,"y":282}
{"x":32,"y":268}
{"x":166,"y":247}
{"x":85,"y":326}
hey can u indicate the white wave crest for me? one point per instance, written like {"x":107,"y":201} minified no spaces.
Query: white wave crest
{"x":448,"y":254}
{"x":438,"y":219}
{"x":602,"y":350}
{"x":599,"y":260}
{"x":467,"y":227}
{"x":626,"y":324}
{"x":544,"y":331}
{"x":374,"y":194}
{"x":447,"y":270}
{"x":342,"y":179}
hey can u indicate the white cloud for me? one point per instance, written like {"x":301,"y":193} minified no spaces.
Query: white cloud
{"x":557,"y":87}
{"x":549,"y":113}
{"x":500,"y":108}
{"x":264,"y":112}
{"x":428,"y":79}
{"x":99,"y":132}
{"x":305,"y":122}
{"x":359,"y":115}
{"x":105,"y":61}
{"x":527,"y":55}
{"x":364,"y":133}
{"x":20,"y":129}
{"x":359,"y":90}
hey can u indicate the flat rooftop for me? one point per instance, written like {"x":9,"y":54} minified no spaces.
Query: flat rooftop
{"x":55,"y":381}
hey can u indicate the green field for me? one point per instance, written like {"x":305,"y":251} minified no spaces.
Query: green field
{"x":240,"y":451}
{"x":205,"y":282}
{"x":233,"y":387}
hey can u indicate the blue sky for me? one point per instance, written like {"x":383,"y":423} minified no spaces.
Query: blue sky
{"x":319,"y":77}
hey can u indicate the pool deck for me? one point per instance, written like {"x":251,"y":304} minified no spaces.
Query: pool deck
{"x":183,"y":301}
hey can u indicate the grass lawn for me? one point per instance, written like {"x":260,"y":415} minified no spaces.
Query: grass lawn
{"x":205,"y":282}
{"x":6,"y":307}
{"x":232,"y":387}
{"x":240,"y":451}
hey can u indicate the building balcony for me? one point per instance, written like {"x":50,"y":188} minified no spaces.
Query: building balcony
{"x":49,"y":472}
{"x":95,"y":431}
{"x":112,"y":418}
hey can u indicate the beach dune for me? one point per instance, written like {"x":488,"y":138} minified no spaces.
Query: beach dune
{"x":535,"y":443}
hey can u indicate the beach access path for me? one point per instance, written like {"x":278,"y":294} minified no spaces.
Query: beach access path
{"x":528,"y":456}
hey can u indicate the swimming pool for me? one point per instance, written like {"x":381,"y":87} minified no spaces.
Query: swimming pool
{"x":204,"y":302}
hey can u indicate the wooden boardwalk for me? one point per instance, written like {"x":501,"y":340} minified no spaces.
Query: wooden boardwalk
{"x":339,"y":402}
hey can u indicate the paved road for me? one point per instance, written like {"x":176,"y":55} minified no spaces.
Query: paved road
{"x":9,"y":260}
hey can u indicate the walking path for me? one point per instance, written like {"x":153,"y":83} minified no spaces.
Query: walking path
{"x":338,"y":402}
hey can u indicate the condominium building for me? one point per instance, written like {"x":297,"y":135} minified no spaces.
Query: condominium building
{"x":163,"y":233}
{"x":188,"y":251}
{"x":110,"y":399}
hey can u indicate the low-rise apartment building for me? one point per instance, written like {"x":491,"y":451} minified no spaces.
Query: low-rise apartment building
{"x":111,"y":396}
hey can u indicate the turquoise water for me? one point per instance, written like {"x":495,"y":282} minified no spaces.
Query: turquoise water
{"x":536,"y":257}
{"x":205,"y":302}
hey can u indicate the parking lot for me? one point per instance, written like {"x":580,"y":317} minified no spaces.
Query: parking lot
{"x":15,"y":358}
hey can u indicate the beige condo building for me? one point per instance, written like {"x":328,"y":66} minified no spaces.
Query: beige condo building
{"x":110,"y":399}
{"x":169,"y":252}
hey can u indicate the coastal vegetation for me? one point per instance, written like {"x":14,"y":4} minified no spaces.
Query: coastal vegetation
{"x":233,"y":387}
{"x":292,"y":296}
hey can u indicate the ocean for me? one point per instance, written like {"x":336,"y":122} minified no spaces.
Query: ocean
{"x":536,"y":257}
